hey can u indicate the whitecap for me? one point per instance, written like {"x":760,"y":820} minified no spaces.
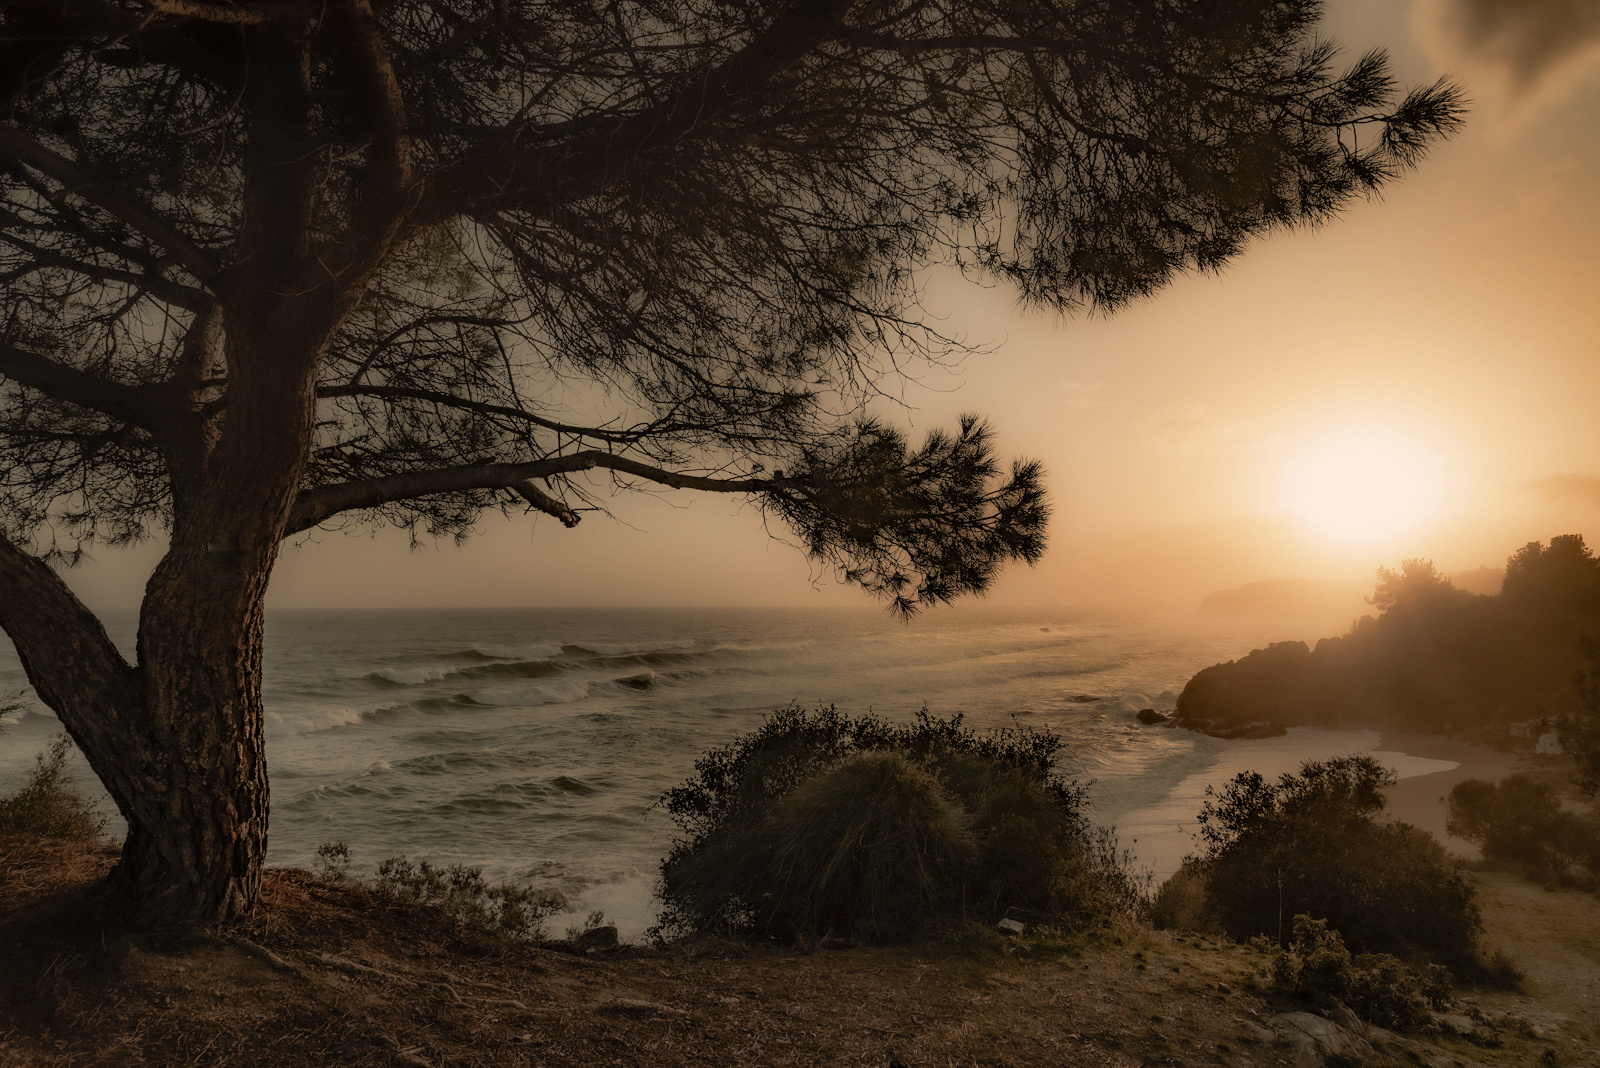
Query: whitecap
{"x":311,"y":720}
{"x":629,"y":648}
{"x":554,"y":693}
{"x":408,"y":676}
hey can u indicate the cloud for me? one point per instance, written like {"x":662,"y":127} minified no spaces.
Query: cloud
{"x":1529,"y":53}
{"x":1570,"y":489}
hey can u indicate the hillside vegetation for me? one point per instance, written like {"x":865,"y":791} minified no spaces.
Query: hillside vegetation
{"x":421,"y":967}
{"x":332,"y":973}
{"x":1435,"y":657}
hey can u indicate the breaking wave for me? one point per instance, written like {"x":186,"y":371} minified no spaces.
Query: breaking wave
{"x":555,"y":693}
{"x":408,"y":676}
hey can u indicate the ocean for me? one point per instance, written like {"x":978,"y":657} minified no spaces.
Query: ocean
{"x":534,"y":743}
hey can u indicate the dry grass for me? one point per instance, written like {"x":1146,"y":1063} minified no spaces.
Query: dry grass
{"x":335,"y":975}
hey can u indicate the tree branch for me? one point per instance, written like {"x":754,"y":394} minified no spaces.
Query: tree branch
{"x":230,"y":15}
{"x":318,"y":505}
{"x":162,"y":288}
{"x":525,"y":169}
{"x":449,"y":400}
{"x":106,"y":195}
{"x":65,"y":651}
{"x":69,"y":384}
{"x":361,"y":46}
{"x":546,"y":503}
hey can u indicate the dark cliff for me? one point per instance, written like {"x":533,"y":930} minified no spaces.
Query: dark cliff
{"x":1434,"y":656}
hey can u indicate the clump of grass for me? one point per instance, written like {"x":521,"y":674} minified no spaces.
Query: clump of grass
{"x":821,"y":824}
{"x":462,"y":893}
{"x":47,"y":805}
{"x":1375,"y":986}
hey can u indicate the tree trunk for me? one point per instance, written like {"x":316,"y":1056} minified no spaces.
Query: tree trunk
{"x":197,"y":808}
{"x":177,"y":740}
{"x":178,"y":747}
{"x":194,"y":782}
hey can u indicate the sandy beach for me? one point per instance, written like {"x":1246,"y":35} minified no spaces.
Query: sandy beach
{"x":1419,"y":799}
{"x":1160,"y":834}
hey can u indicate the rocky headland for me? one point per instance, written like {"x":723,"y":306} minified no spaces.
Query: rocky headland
{"x":1435,"y":657}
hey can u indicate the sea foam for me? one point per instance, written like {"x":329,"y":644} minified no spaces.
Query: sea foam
{"x":311,"y":720}
{"x":409,"y":676}
{"x":554,"y":693}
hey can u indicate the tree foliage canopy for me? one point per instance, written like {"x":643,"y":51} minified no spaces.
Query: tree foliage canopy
{"x":1434,"y":657}
{"x":537,"y":238}
{"x":1314,"y":843}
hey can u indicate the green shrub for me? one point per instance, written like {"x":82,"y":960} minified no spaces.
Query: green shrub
{"x":1375,"y":986}
{"x":820,"y":823}
{"x":1314,"y":843}
{"x":1180,"y":903}
{"x":333,"y":862}
{"x":462,"y":893}
{"x":823,"y":824}
{"x":47,"y":805}
{"x":1520,"y":825}
{"x":865,"y":848}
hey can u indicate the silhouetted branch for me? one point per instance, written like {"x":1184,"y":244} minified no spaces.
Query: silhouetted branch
{"x":320,"y":504}
{"x":546,"y":503}
{"x":69,"y":384}
{"x":538,"y":169}
{"x":108,"y":196}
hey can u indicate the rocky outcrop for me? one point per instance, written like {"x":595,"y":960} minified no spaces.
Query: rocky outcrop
{"x":1256,"y":696}
{"x":1284,"y":599}
{"x":1311,"y":1041}
{"x":1340,"y":1039}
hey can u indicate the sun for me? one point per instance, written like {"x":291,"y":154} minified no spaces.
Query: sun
{"x":1362,"y":486}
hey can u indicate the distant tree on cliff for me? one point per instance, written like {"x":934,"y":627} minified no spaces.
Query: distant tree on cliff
{"x":1561,"y":577}
{"x":1417,"y":582}
{"x":1434,"y":655}
{"x":1580,"y":732}
{"x":275,"y":265}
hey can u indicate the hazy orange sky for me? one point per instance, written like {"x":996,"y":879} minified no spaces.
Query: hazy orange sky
{"x":1418,"y":378}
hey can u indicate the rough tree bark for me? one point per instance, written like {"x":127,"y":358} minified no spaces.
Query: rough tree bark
{"x":177,"y":740}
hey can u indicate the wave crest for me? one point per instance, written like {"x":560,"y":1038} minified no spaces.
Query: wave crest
{"x":553,"y":693}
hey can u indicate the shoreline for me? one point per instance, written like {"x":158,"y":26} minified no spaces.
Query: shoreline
{"x":1160,"y":833}
{"x":1419,"y":799}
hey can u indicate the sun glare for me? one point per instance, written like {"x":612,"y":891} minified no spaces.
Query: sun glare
{"x":1363,"y":486}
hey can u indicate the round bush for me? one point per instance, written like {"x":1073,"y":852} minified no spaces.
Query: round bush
{"x":874,"y":848}
{"x":821,"y":824}
{"x":1313,"y":843}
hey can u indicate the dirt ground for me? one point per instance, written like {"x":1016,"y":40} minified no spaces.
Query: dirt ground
{"x":334,"y":975}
